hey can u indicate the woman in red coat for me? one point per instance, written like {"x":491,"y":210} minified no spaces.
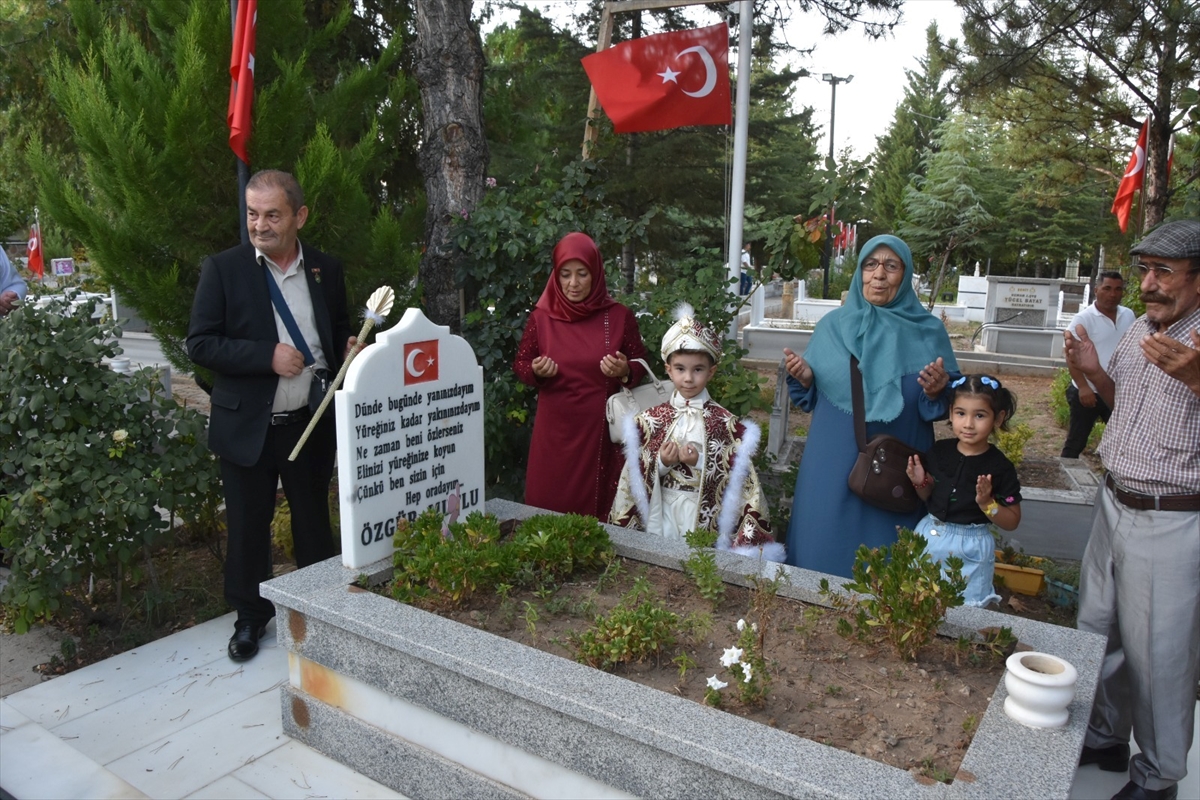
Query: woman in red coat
{"x":576,"y":352}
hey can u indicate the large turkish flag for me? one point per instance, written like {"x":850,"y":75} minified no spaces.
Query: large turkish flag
{"x":664,"y":81}
{"x":1132,"y":180}
{"x":241,"y":72}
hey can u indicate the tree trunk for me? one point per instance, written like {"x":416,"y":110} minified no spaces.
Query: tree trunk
{"x":941,"y":273}
{"x":454,"y":155}
{"x":1156,"y":191}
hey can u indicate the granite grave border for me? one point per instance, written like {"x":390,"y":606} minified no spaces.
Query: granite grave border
{"x":431,"y":707}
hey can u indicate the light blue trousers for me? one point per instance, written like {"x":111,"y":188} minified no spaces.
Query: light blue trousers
{"x":974,"y":545}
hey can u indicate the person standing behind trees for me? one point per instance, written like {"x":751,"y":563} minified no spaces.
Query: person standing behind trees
{"x":1140,"y":576}
{"x":262,"y":376}
{"x":1106,"y":321}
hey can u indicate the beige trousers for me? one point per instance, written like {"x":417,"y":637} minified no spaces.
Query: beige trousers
{"x":1140,"y":586}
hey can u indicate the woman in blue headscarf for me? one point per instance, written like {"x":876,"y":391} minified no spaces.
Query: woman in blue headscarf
{"x":906,"y":360}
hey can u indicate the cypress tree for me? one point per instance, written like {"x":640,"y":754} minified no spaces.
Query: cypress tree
{"x":146,"y":105}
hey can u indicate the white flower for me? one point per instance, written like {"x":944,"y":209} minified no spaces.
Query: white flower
{"x":741,"y":625}
{"x":119,"y":436}
{"x":732,"y":656}
{"x":746,"y":672}
{"x":754,"y":627}
{"x":716,"y":685}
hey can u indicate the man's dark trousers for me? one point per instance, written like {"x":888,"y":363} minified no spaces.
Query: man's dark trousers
{"x":250,"y":505}
{"x":1083,"y":419}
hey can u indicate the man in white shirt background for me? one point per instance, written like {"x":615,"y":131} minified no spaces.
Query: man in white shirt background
{"x":1105,"y":321}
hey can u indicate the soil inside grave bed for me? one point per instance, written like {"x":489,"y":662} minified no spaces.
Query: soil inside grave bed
{"x":917,"y":716}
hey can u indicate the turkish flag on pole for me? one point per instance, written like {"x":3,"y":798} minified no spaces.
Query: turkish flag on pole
{"x":664,"y":81}
{"x":36,"y":262}
{"x":1123,"y":202}
{"x":241,"y":70}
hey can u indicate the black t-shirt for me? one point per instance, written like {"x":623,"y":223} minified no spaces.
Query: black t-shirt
{"x":954,"y":475}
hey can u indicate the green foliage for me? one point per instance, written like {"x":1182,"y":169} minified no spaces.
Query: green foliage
{"x":701,"y":566}
{"x":904,"y":593}
{"x":507,"y":242}
{"x":1058,"y":397}
{"x":445,"y":571}
{"x":897,"y":157}
{"x":1012,"y":442}
{"x":944,"y":210}
{"x":145,"y":102}
{"x":632,"y":632}
{"x":96,"y":465}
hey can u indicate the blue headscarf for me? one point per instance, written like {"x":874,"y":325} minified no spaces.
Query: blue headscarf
{"x":890,"y":341}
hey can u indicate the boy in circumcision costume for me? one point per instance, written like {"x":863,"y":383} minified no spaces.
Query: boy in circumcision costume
{"x":688,"y":462}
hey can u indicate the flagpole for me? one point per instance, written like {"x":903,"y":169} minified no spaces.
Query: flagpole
{"x":741,"y":129}
{"x":243,"y":169}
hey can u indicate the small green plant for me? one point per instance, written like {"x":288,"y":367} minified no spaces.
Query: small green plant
{"x":531,"y":619}
{"x":931,"y":770}
{"x":701,"y":567}
{"x":904,"y":593}
{"x":970,"y":724}
{"x":833,"y":691}
{"x":684,"y":662}
{"x":1058,"y":397}
{"x":633,"y":631}
{"x":611,"y":574}
{"x":1012,"y":442}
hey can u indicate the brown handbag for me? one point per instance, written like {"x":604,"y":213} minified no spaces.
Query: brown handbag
{"x":880,"y":473}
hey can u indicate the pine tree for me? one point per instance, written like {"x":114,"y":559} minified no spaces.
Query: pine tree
{"x":896,"y":162}
{"x":944,"y":210}
{"x":146,"y":107}
{"x":1116,"y":61}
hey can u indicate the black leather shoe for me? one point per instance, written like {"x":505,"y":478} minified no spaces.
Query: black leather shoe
{"x":243,"y":645}
{"x":1131,"y":791}
{"x":1114,"y":758}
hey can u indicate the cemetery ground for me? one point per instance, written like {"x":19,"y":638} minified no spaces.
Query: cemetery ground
{"x":189,"y":578}
{"x":846,"y":693}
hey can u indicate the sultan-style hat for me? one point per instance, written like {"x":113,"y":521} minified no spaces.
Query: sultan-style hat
{"x":688,"y":333}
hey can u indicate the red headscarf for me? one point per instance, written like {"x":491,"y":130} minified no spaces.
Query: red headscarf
{"x":554,"y":302}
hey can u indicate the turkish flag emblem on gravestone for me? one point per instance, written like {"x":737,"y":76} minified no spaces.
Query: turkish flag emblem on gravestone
{"x":420,"y":362}
{"x":664,"y":81}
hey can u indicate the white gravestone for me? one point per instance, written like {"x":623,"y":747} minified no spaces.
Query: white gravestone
{"x":410,"y":434}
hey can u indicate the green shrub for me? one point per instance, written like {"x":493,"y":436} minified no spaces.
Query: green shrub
{"x":1058,"y":397}
{"x":701,"y":565}
{"x":96,"y":465}
{"x":636,"y":629}
{"x":1012,"y":442}
{"x":905,"y":593}
{"x":439,"y":570}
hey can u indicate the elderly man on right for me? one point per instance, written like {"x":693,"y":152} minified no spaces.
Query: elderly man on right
{"x":1140,"y":578}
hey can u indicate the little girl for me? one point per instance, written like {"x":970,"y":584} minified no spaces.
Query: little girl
{"x":967,"y":484}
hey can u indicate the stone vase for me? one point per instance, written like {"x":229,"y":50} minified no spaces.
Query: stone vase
{"x":1040,"y":687}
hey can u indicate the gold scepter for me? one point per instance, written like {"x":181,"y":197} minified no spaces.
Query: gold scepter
{"x":379,"y":304}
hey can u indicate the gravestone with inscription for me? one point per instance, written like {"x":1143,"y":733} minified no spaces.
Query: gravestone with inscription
{"x":410,"y":434}
{"x":1021,"y":316}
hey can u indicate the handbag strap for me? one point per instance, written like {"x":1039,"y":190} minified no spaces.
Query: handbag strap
{"x":657,"y":383}
{"x":856,"y":394}
{"x":289,"y":321}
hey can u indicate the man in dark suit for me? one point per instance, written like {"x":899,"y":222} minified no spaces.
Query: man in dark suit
{"x":261,"y":384}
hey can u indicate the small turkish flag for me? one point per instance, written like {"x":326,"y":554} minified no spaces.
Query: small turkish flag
{"x":36,"y":263}
{"x":420,"y":362}
{"x":1123,"y":202}
{"x":664,"y":81}
{"x":241,"y":71}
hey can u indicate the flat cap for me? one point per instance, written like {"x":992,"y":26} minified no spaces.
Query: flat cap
{"x":1178,"y":239}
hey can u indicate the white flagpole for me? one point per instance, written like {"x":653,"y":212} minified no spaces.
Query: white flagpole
{"x":741,"y":128}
